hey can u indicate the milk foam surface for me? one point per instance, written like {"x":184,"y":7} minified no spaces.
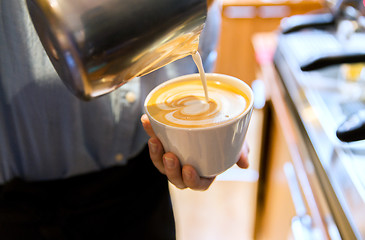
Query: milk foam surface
{"x":183,"y":104}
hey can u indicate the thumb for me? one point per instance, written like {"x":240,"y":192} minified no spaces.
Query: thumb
{"x":147,"y":126}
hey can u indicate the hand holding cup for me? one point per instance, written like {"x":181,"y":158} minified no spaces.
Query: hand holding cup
{"x":182,"y":176}
{"x":206,"y":136}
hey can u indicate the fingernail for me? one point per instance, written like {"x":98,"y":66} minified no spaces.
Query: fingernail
{"x":153,"y":147}
{"x":144,"y":119}
{"x":169,"y":162}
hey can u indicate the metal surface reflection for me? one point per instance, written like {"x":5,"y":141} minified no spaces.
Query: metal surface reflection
{"x":97,"y":46}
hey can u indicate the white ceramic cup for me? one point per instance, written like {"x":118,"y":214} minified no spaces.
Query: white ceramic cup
{"x":210,"y":150}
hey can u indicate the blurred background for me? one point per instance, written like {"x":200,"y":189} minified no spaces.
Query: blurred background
{"x":305,"y":61}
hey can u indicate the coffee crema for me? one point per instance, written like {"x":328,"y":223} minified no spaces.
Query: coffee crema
{"x":183,"y":104}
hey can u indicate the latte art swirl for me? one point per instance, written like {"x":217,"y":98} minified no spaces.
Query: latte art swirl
{"x":183,"y":104}
{"x":192,"y":110}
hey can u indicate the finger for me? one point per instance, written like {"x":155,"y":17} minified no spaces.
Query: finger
{"x":156,"y":153}
{"x":147,"y":126}
{"x":173,"y":170}
{"x":193,"y":180}
{"x":243,"y":160}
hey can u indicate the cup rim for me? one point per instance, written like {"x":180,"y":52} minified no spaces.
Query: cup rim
{"x":197,"y":75}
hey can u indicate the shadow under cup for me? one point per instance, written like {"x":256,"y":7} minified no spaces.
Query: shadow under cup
{"x":213,"y":149}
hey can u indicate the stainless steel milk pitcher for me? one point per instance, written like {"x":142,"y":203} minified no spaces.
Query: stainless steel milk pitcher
{"x":98,"y":45}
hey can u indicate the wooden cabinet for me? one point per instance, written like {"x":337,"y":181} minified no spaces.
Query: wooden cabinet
{"x":276,"y":208}
{"x":241,"y":19}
